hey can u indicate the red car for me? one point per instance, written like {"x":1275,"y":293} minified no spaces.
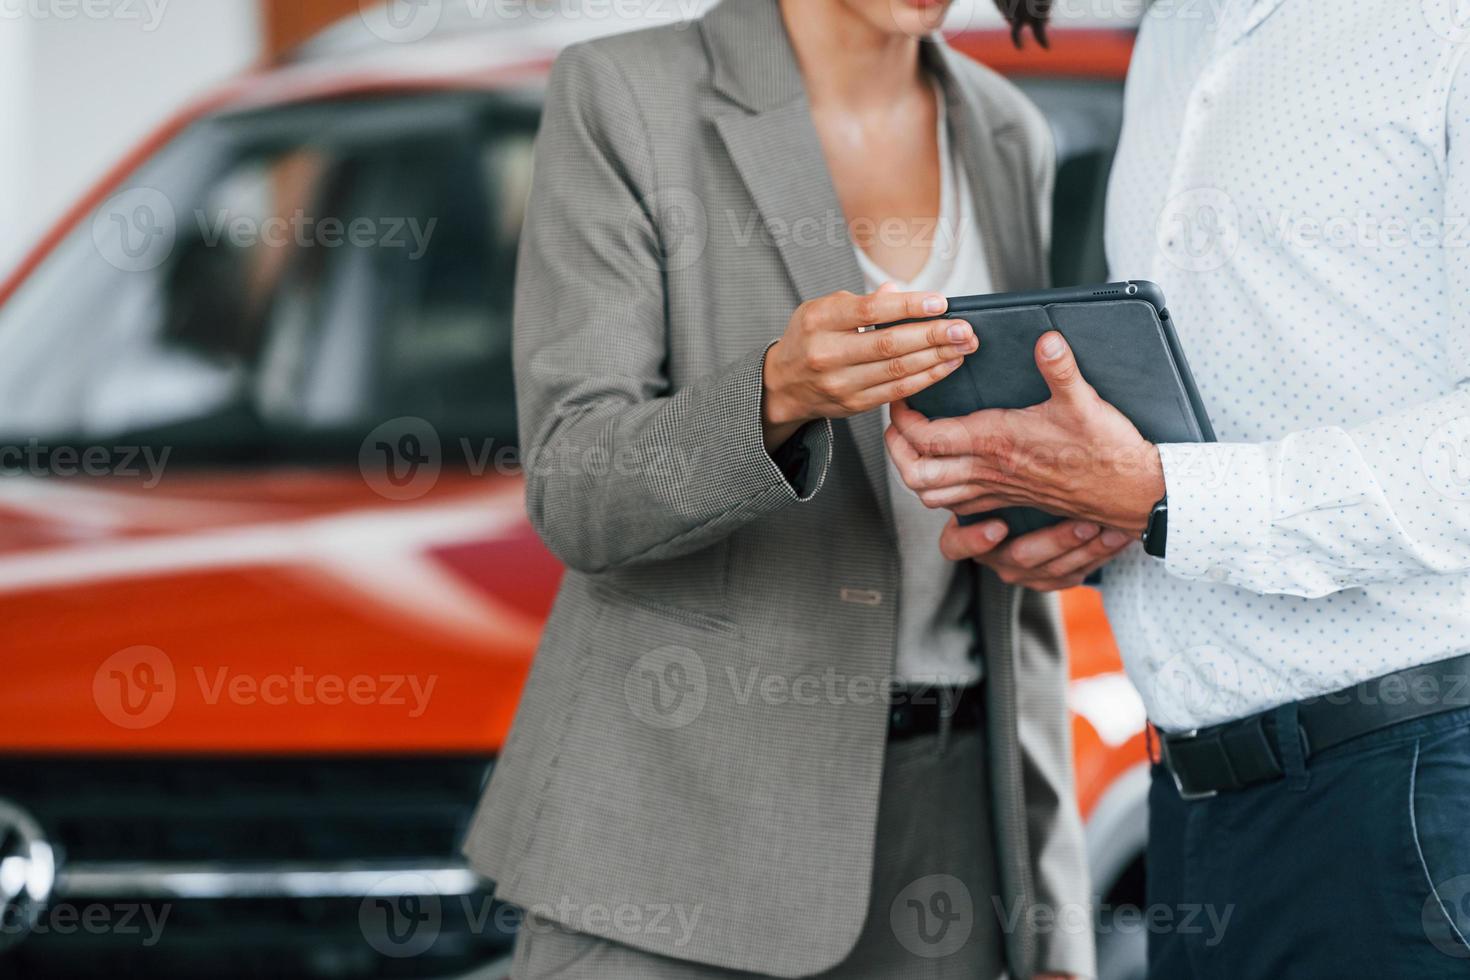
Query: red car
{"x":269,"y":592}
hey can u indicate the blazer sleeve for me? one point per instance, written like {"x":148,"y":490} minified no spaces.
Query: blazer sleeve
{"x":620,"y":466}
{"x":1065,"y":943}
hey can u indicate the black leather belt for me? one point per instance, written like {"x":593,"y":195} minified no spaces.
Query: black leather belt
{"x":921,"y":710}
{"x":1244,"y":753}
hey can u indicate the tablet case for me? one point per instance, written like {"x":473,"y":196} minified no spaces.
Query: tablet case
{"x":1126,"y":348}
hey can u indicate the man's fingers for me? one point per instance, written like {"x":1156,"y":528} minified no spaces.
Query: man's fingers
{"x":849,"y":311}
{"x":958,"y":495}
{"x":979,"y":505}
{"x":926,"y":472}
{"x":911,"y":385}
{"x":1039,"y":548}
{"x":1059,"y":367}
{"x":1097,"y":551}
{"x":971,"y":541}
{"x":935,"y":437}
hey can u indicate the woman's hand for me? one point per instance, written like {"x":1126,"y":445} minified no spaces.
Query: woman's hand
{"x":823,"y":368}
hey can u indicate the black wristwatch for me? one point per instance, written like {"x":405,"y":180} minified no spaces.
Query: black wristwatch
{"x":1156,"y":535}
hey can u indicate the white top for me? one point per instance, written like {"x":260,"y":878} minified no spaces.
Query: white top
{"x":935,"y":632}
{"x":1297,"y":178}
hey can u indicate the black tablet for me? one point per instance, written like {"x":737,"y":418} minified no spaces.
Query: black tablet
{"x":1125,"y":344}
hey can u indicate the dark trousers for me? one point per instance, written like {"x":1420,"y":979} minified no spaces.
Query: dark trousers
{"x":1356,"y":865}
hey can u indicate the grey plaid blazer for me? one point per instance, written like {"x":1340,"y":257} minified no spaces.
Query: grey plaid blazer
{"x":703,"y":729}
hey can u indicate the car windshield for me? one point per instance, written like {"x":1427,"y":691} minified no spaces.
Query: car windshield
{"x":274,"y":284}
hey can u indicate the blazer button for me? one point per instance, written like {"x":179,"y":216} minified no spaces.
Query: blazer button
{"x":863,"y":597}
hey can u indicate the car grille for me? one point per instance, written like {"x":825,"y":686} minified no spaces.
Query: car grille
{"x":258,"y":866}
{"x":188,"y":810}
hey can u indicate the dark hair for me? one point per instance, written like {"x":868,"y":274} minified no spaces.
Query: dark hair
{"x":1026,"y":13}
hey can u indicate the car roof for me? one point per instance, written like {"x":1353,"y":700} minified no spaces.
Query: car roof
{"x":492,"y":27}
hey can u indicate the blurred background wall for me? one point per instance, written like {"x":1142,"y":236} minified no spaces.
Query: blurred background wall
{"x":81,"y":83}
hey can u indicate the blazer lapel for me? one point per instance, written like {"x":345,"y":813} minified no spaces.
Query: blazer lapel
{"x":774,"y":146}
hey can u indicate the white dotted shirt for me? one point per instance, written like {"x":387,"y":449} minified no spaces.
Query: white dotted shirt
{"x":1296,"y":175}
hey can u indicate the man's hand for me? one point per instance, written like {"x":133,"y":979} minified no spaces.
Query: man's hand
{"x":823,"y":368}
{"x":1073,"y":455}
{"x":1053,"y":558}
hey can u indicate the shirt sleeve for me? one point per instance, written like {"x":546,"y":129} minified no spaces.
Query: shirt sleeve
{"x":1335,"y":508}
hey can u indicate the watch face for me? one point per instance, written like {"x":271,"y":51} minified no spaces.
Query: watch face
{"x":1155,"y":535}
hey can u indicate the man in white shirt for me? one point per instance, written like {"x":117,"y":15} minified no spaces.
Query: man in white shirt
{"x":1295,"y":174}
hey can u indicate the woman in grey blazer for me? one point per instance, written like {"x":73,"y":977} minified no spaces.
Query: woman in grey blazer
{"x":769,"y":730}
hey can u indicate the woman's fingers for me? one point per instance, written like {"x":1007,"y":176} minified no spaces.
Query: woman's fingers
{"x":875,"y":373}
{"x":904,"y":387}
{"x":849,"y":311}
{"x":890,"y":343}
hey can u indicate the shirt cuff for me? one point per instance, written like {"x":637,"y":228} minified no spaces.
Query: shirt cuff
{"x":1219,"y":509}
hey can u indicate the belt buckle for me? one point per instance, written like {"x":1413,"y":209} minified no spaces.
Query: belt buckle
{"x":1184,"y":794}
